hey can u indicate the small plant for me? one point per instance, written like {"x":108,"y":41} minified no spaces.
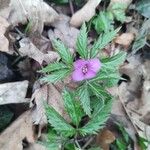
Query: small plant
{"x":91,"y":99}
{"x":104,"y":21}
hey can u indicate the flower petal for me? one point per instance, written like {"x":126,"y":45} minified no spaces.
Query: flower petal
{"x":90,"y":74}
{"x":94,"y":64}
{"x":79,"y":63}
{"x":77,"y":75}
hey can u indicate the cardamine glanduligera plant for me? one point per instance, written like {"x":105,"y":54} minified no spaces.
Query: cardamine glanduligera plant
{"x":91,"y":99}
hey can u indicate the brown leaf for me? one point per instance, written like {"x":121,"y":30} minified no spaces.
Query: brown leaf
{"x":13,"y":92}
{"x":64,"y":32}
{"x":125,"y":39}
{"x":4,"y":44}
{"x":27,"y":48}
{"x":105,"y":138}
{"x":49,"y":94}
{"x":135,"y":94}
{"x":85,"y":13}
{"x":12,"y":137}
{"x":37,"y":12}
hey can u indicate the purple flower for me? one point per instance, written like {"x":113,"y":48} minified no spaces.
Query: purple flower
{"x":85,"y":69}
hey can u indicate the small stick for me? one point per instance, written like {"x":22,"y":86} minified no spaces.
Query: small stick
{"x":88,"y":142}
{"x":71,"y":7}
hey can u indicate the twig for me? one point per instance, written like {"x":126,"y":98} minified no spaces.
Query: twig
{"x":88,"y":142}
{"x":128,"y":114}
{"x":78,"y":144}
{"x":71,"y":7}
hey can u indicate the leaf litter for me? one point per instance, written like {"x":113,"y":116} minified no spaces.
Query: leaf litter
{"x":43,"y":24}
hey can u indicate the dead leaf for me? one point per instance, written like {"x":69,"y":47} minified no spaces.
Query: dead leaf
{"x":4,"y":44}
{"x":49,"y":94}
{"x":135,"y":94}
{"x":63,"y":31}
{"x":125,"y":39}
{"x":13,"y":92}
{"x":12,"y":137}
{"x":27,"y":48}
{"x":37,"y":12}
{"x":85,"y":13}
{"x":105,"y":138}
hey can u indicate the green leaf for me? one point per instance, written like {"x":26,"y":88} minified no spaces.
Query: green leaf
{"x":98,"y":91}
{"x":102,"y":23}
{"x":73,"y":107}
{"x":63,"y":51}
{"x":53,"y":67}
{"x":56,"y":76}
{"x":118,"y":10}
{"x":125,"y":135}
{"x":81,"y":43}
{"x":70,"y":146}
{"x":84,"y":98}
{"x":59,"y":123}
{"x":143,"y":143}
{"x":143,"y":7}
{"x":97,"y":120}
{"x":121,"y":145}
{"x":105,"y":75}
{"x":113,"y":62}
{"x":102,"y":41}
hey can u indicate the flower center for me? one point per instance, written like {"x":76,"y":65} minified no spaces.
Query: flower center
{"x":85,"y":69}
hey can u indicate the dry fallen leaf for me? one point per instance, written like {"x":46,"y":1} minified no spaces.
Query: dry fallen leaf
{"x":49,"y":94}
{"x":4,"y":44}
{"x":13,"y":136}
{"x":135,"y":94}
{"x":13,"y":92}
{"x":85,"y":13}
{"x":36,"y":12}
{"x":27,"y":48}
{"x":64,"y":32}
{"x":125,"y":39}
{"x":105,"y":138}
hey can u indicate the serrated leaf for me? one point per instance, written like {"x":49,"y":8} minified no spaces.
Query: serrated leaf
{"x":84,"y":98}
{"x":114,"y":61}
{"x":118,"y":10}
{"x":143,"y":7}
{"x":53,"y":67}
{"x":81,"y":43}
{"x":141,"y":38}
{"x":139,"y":43}
{"x":97,"y":120}
{"x":98,"y":91}
{"x":59,"y":123}
{"x":63,"y":51}
{"x":56,"y":76}
{"x":102,"y":41}
{"x":73,"y":107}
{"x":105,"y":75}
{"x":102,"y":23}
